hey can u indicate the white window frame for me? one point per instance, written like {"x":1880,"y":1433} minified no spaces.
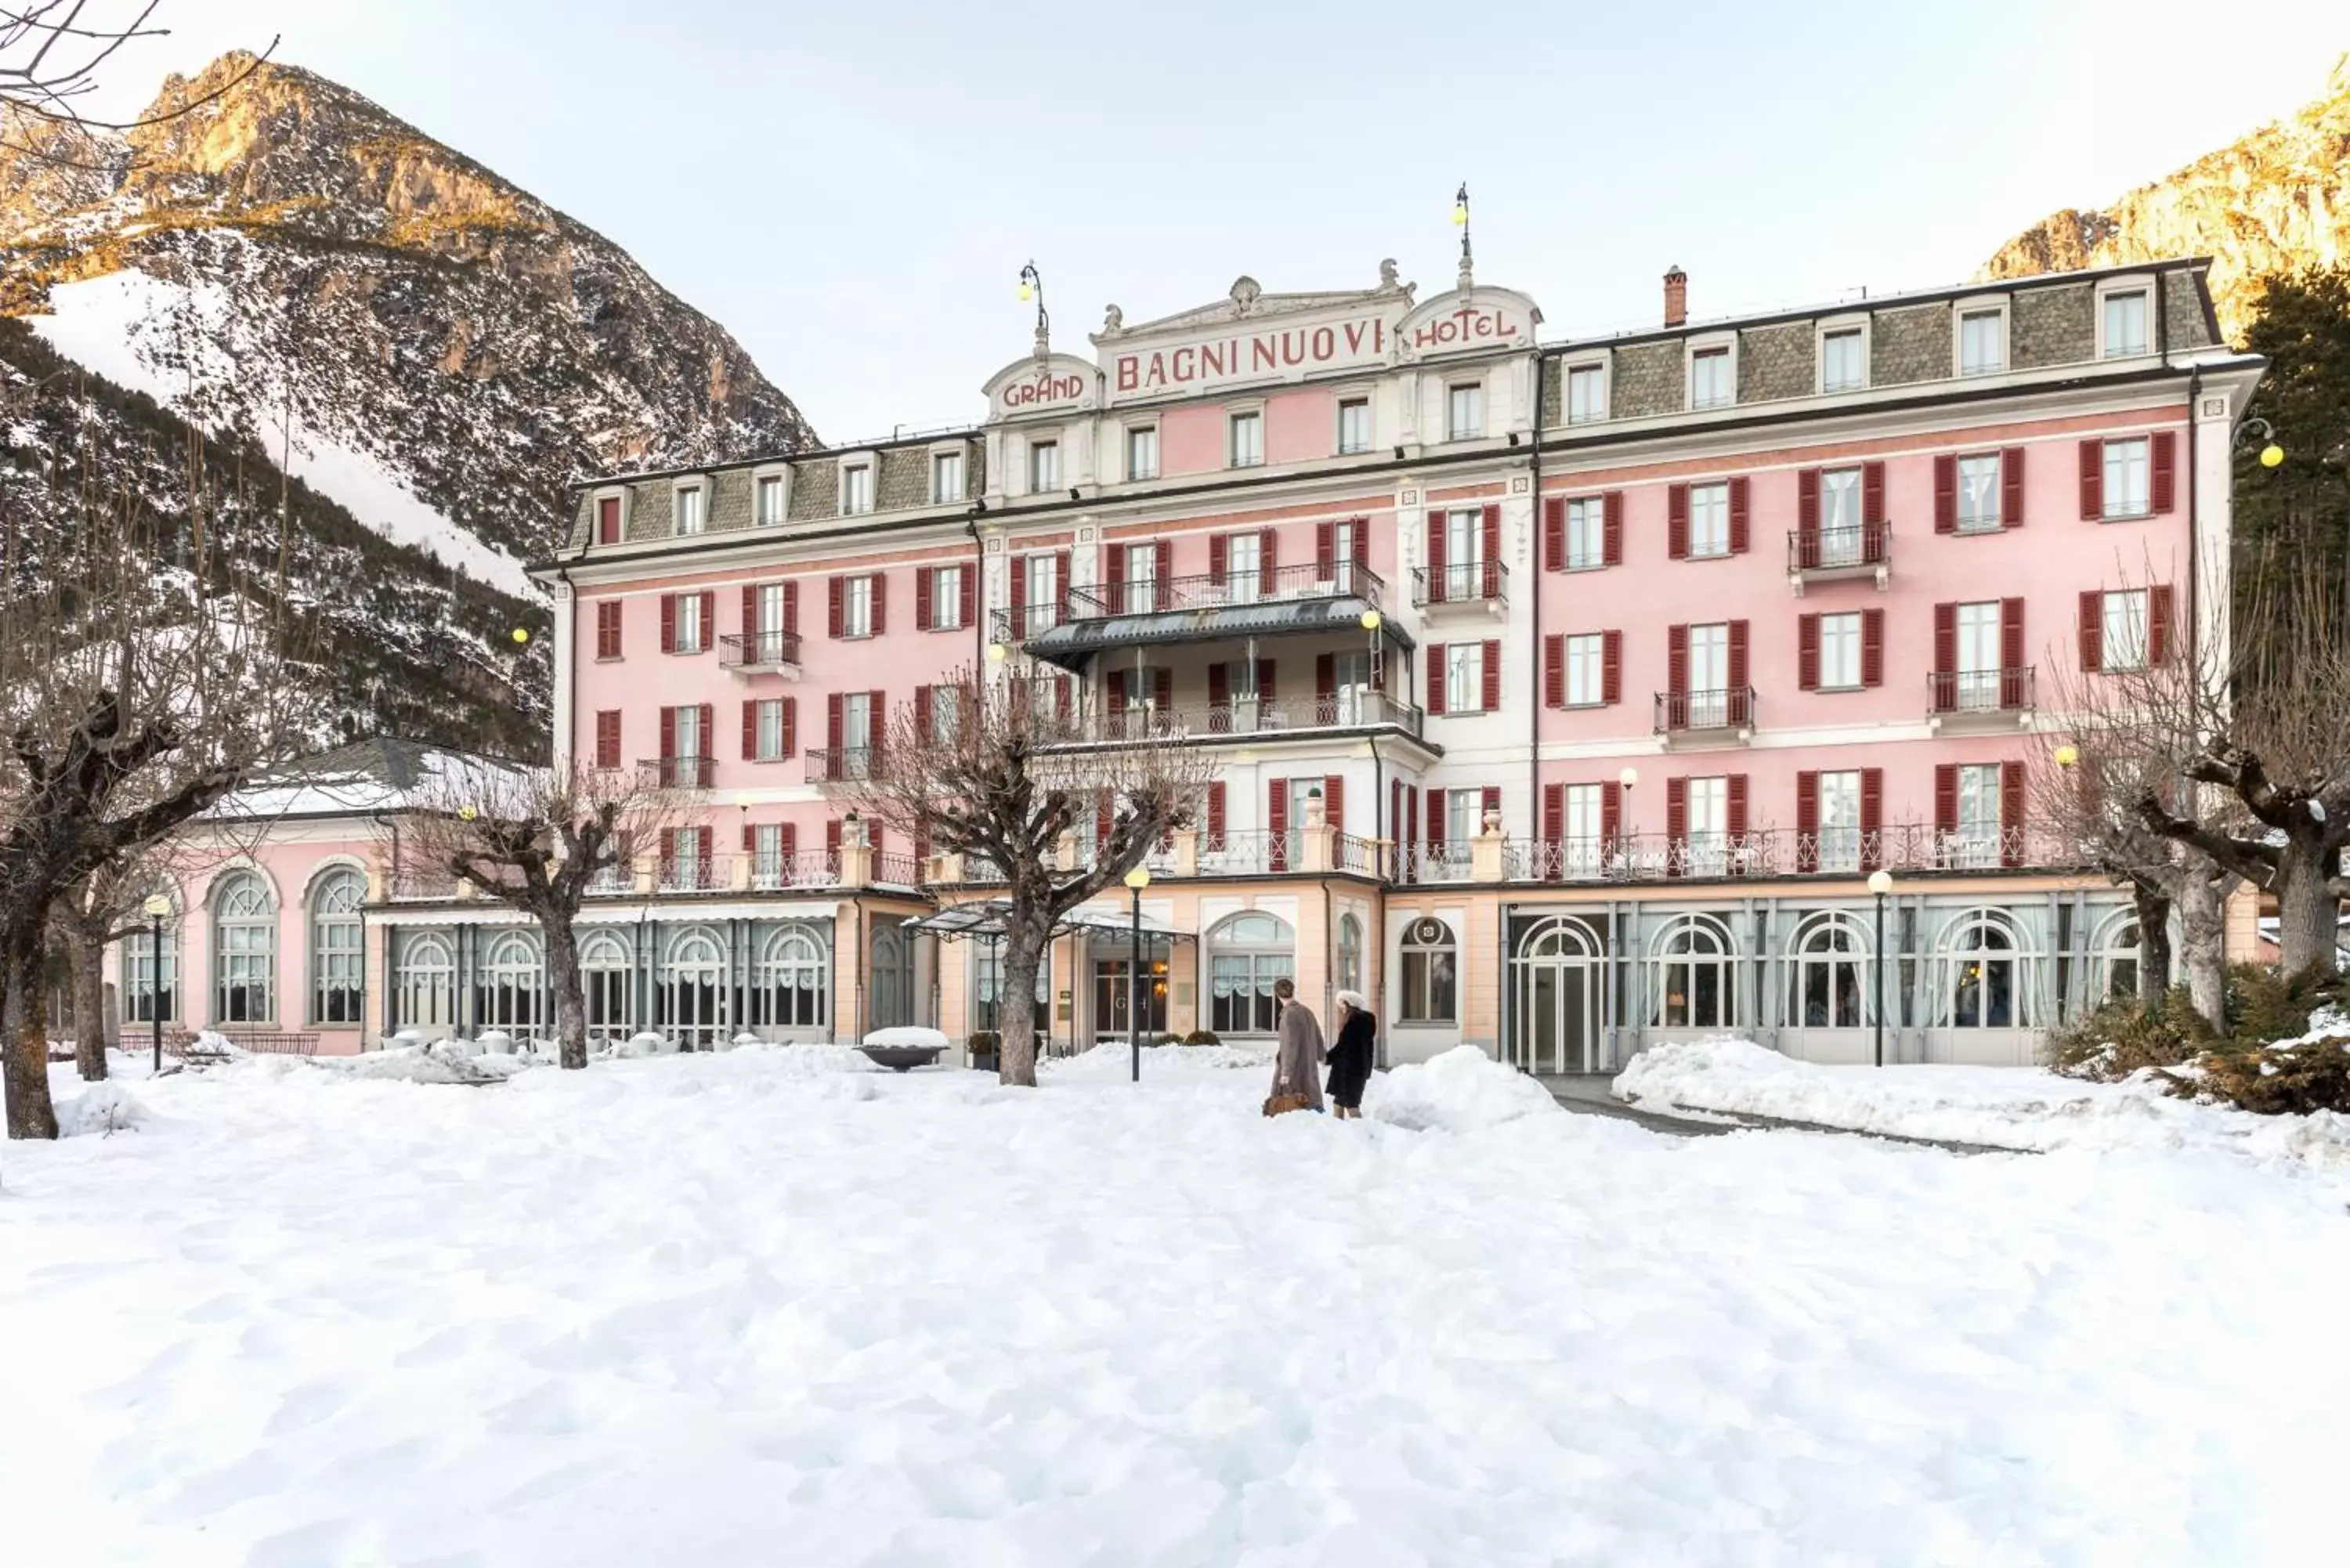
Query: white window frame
{"x":1571,"y":368}
{"x":626,"y":495}
{"x":946,"y":601}
{"x":2108,"y":491}
{"x":962,"y":457}
{"x":780,"y":474}
{"x":1476,"y":390}
{"x":851,"y":464}
{"x":1349,"y":399}
{"x":1833,"y":327}
{"x":1590,"y":512}
{"x":1141,"y":573}
{"x":1691,"y":349}
{"x":688,"y":607}
{"x":1979,"y":523}
{"x":1848,"y":639}
{"x":1585,"y":659}
{"x":699,"y":488}
{"x":1038,"y":445}
{"x":857,"y":605}
{"x":769,"y":747}
{"x":2135,"y":282}
{"x":1980,"y":305}
{"x":1464,"y":677}
{"x":1837,"y":845}
{"x":1722,"y":486}
{"x":1234,"y":413}
{"x":2133,"y":608}
{"x":1126,"y":435}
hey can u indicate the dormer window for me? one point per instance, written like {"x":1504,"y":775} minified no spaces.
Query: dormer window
{"x":946,"y":477}
{"x":1982,"y":342}
{"x":855,"y":489}
{"x":2122,"y":324}
{"x":688,"y":510}
{"x":1464,"y":412}
{"x":1709,"y":382}
{"x":1843,"y":360}
{"x":769,"y":499}
{"x":1043,"y":467}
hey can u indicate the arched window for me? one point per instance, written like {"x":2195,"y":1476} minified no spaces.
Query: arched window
{"x":1350,"y":953}
{"x":338,"y":949}
{"x":511,"y":995}
{"x":1245,"y":955}
{"x":893,"y":977}
{"x":791,"y":986}
{"x":1431,"y":992}
{"x":606,"y":976}
{"x":987,"y":988}
{"x":691,"y":997}
{"x":150,"y":979}
{"x":1694,"y":975}
{"x":244,"y":950}
{"x":424,"y":981}
{"x":1829,"y":976}
{"x":2117,"y":958}
{"x":1988,"y":972}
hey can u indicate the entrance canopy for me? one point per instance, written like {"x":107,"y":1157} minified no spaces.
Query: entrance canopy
{"x":986,"y":919}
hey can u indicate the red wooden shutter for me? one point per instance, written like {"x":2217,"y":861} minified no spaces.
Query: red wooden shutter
{"x":1436,"y":595}
{"x":1676,"y":522}
{"x":1162,"y":683}
{"x":1216,"y":814}
{"x":750,"y":730}
{"x":1807,"y":500}
{"x":1872,"y":493}
{"x":791,"y":725}
{"x":1492,"y":693}
{"x":2158,"y":612}
{"x":669,"y":623}
{"x":607,"y":738}
{"x":750,"y":620}
{"x":701,"y":857}
{"x":2011,"y":653}
{"x":1553,"y":810}
{"x":708,"y":729}
{"x":789,"y":835}
{"x":2093,"y":632}
{"x":1808,"y":653}
{"x":1116,"y":583}
{"x":1677,"y":660}
{"x":1554,"y":533}
{"x":2011,"y":814}
{"x":792,"y":608}
{"x":1946,"y":646}
{"x":1734,"y":805}
{"x":667,"y":736}
{"x":1739,"y":713}
{"x":1268,"y":554}
{"x":1611,"y":814}
{"x":1436,"y":816}
{"x":1872,"y":648}
{"x":2093,"y":481}
{"x":1611,"y":508}
{"x":1677,"y":809}
{"x":1946,"y":492}
{"x":608,"y":520}
{"x":1611,"y":667}
{"x":879,"y":706}
{"x":1325,"y":548}
{"x":1164,"y":577}
{"x":832,"y":726}
{"x":1219,"y":556}
{"x":750,"y":837}
{"x":1264,"y":690}
{"x":1872,"y":818}
{"x":832,"y":838}
{"x":668,"y":859}
{"x":1553,"y":672}
{"x":1490,"y":570}
{"x":969,"y":596}
{"x":608,"y":629}
{"x":1019,"y":595}
{"x":1738,"y":520}
{"x":1220,"y":688}
{"x":708,"y":620}
{"x":922,"y":707}
{"x":1326,"y":678}
{"x":880,"y":602}
{"x":2162,"y":490}
{"x":1945,"y":797}
{"x":836,"y":620}
{"x":922,"y":612}
{"x":1436,"y":678}
{"x":1060,"y":586}
{"x":1334,"y":800}
{"x":1807,"y":820}
{"x":2011,"y":487}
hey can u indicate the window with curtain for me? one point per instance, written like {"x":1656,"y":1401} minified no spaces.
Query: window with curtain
{"x":244,"y":950}
{"x":1246,"y":954}
{"x":338,"y":949}
{"x":1431,"y":973}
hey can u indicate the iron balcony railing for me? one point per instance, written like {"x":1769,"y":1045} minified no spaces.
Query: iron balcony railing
{"x":1444,"y":860}
{"x":840,"y":764}
{"x":1356,"y":710}
{"x":1731,"y":708}
{"x":1460,"y":583}
{"x":2006,"y":690}
{"x":678,"y":773}
{"x":800,"y":868}
{"x":1826,"y":549}
{"x":1911,"y":847}
{"x":1303,"y":583}
{"x":893,"y":869}
{"x":759,"y":649}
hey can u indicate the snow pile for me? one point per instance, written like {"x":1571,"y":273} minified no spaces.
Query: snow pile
{"x":104,"y":1107}
{"x":1997,"y":1108}
{"x":1463,"y":1090}
{"x":906,"y":1034}
{"x":1116,"y":1059}
{"x":431,"y":1065}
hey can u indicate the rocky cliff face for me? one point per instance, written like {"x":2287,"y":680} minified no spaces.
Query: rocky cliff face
{"x":2276,"y":201}
{"x":432,"y":349}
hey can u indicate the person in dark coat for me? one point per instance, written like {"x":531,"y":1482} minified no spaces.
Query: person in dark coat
{"x":1351,"y":1054}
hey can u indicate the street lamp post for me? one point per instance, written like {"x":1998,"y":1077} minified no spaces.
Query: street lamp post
{"x":156,"y":908}
{"x":1880,"y":882}
{"x":1136,"y":881}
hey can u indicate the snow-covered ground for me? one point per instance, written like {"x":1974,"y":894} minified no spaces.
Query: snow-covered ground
{"x":143,"y":332}
{"x":775,"y":1306}
{"x":2003,"y":1108}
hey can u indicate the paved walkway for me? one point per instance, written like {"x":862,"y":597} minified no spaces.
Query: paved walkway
{"x":1588,"y":1094}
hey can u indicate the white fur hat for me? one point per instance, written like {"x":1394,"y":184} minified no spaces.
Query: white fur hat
{"x":1354,"y":999}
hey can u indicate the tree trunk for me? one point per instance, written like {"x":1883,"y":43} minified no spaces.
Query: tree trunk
{"x":87,"y":956}
{"x":27,"y":1062}
{"x":2153,"y":941}
{"x":2203,"y":926}
{"x":570,"y":996}
{"x":1025,"y":930}
{"x":2306,"y":908}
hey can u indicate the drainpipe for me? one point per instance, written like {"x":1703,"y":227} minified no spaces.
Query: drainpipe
{"x":1379,"y":797}
{"x":978,"y":598}
{"x":389,"y":826}
{"x":1534,"y":708}
{"x":2194,"y":528}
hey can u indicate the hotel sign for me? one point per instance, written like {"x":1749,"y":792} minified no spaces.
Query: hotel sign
{"x":1028,"y":387}
{"x":1275,"y":352}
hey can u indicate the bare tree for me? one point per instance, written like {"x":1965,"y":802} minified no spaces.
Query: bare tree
{"x":536,"y":840}
{"x":54,"y":54}
{"x":997,"y":775}
{"x":84,"y":918}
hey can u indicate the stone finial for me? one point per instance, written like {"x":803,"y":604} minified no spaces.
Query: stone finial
{"x":1246,"y":291}
{"x":1043,"y":342}
{"x":1388,"y":280}
{"x":1113,"y":321}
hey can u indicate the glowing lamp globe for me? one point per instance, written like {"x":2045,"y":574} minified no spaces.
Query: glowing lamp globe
{"x":1459,"y":213}
{"x":1370,"y":620}
{"x":521,"y":634}
{"x":466,"y":814}
{"x":1026,"y":292}
{"x":2271,"y":456}
{"x":2067,"y":755}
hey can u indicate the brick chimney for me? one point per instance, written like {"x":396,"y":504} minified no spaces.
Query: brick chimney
{"x":1676,"y":297}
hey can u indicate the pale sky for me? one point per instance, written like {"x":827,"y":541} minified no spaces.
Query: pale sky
{"x":851,"y":187}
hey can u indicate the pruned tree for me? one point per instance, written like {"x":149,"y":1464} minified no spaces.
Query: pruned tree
{"x":83,"y":921}
{"x":536,"y":840}
{"x":997,"y":773}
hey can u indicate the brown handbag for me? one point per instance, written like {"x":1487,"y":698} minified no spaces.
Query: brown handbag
{"x":1274,"y":1104}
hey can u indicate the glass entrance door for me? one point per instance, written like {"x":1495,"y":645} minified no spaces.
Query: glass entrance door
{"x":1113,"y":992}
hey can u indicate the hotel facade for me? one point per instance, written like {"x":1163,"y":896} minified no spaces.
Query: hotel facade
{"x":1561,"y":695}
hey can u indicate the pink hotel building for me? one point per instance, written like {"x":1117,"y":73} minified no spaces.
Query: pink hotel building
{"x":1563,"y":696}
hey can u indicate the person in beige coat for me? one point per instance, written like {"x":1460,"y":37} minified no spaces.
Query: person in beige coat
{"x":1297,"y":1064}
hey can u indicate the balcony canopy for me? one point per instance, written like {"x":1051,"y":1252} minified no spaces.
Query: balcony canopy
{"x":986,"y":919}
{"x":1090,"y":631}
